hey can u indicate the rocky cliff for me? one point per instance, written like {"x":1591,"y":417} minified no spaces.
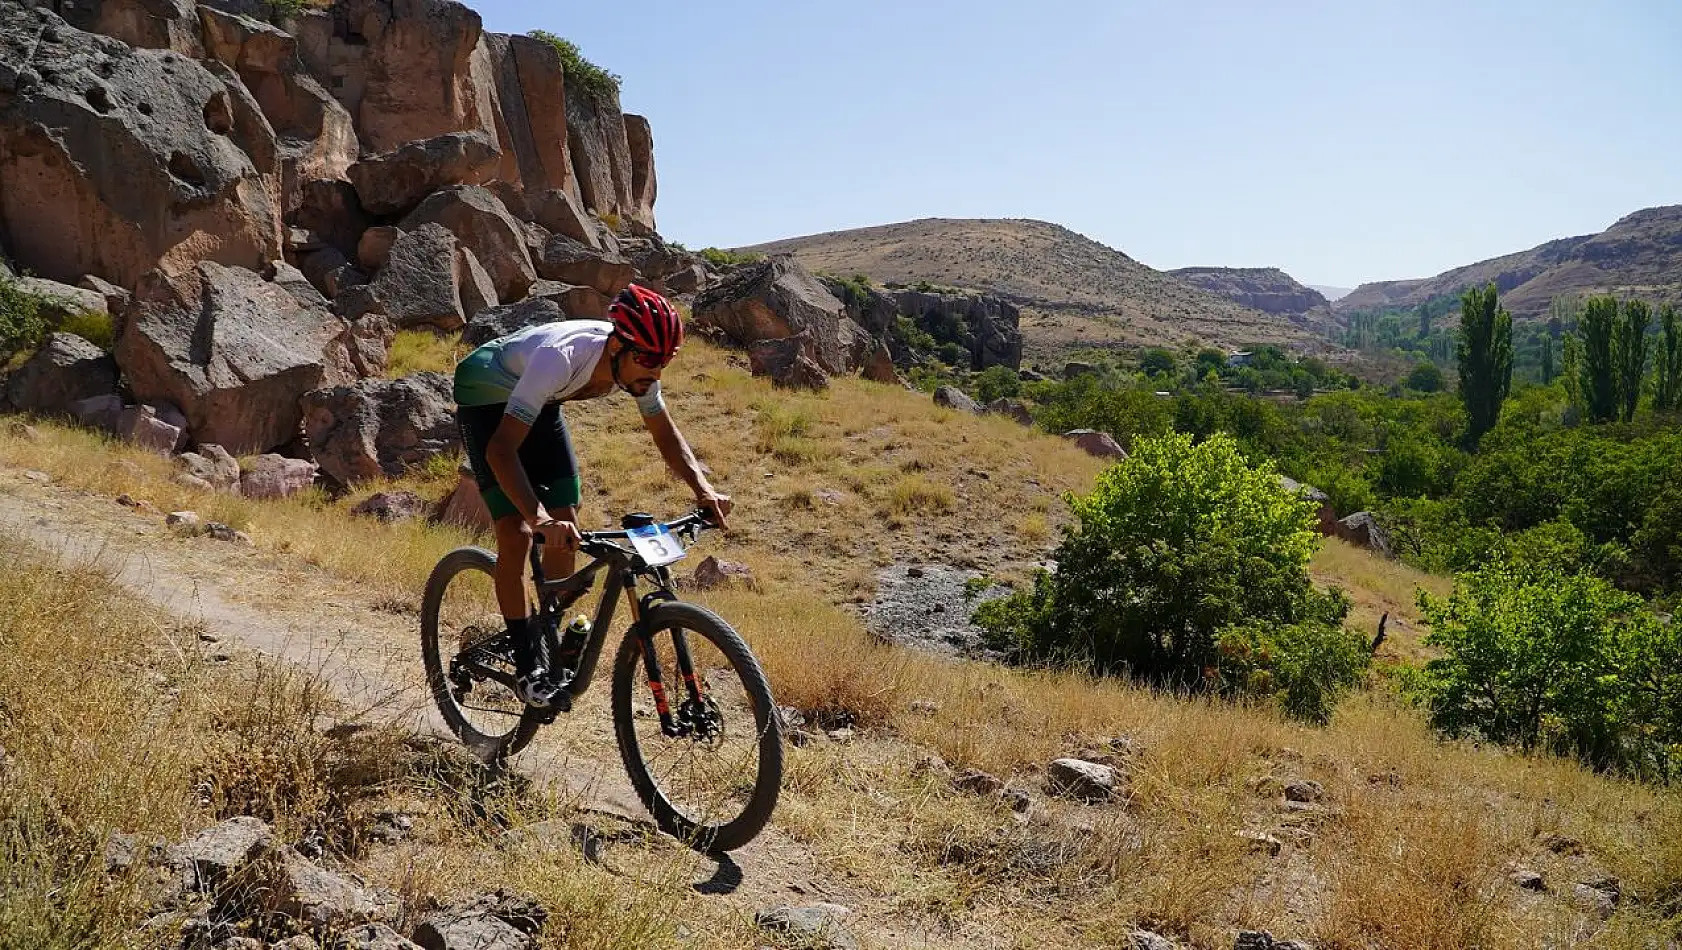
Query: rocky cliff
{"x":1639,"y":255}
{"x":260,"y":205}
{"x":1267,"y":289}
{"x":141,"y":134}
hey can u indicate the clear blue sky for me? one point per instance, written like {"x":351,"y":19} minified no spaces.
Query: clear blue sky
{"x":1343,"y":141}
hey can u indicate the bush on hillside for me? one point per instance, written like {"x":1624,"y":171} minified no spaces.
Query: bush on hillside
{"x":1541,"y":659}
{"x":722,"y":259}
{"x":581,"y":74}
{"x":1178,"y":550}
{"x":997,"y":382}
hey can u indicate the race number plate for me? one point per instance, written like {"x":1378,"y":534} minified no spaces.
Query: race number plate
{"x":656,"y":545}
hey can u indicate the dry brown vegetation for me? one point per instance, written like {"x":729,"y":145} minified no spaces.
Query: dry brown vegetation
{"x":1410,"y":848}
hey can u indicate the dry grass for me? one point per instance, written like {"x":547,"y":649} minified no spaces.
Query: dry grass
{"x":1411,"y":850}
{"x":415,"y":350}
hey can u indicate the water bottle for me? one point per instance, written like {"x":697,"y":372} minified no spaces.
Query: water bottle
{"x":572,"y":641}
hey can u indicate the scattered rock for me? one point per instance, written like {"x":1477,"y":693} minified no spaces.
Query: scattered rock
{"x":1096,"y":443}
{"x":1018,"y":799}
{"x":930,"y":763}
{"x":1562,"y":844}
{"x":817,"y":926}
{"x":390,"y":826}
{"x":35,"y":476}
{"x":213,"y":465}
{"x":380,"y":427}
{"x":393,"y":506}
{"x":121,"y":851}
{"x":374,"y":937}
{"x":840,"y":735}
{"x":977,"y":782}
{"x":216,"y":856}
{"x":299,"y":942}
{"x":1304,"y":791}
{"x":159,"y":428}
{"x":464,"y":506}
{"x":924,"y":707}
{"x":1363,"y":530}
{"x":1074,"y":368}
{"x":24,"y":431}
{"x":1602,"y":902}
{"x":242,"y":943}
{"x":185,"y":522}
{"x":322,"y":900}
{"x":713,"y":573}
{"x":492,"y":922}
{"x":98,"y":412}
{"x":221,"y":532}
{"x":64,"y":371}
{"x":1527,"y":879}
{"x":1014,"y":408}
{"x":1261,"y":841}
{"x":954,"y":398}
{"x":191,"y":481}
{"x":1075,"y":778}
{"x":1148,"y":940}
{"x":275,"y":476}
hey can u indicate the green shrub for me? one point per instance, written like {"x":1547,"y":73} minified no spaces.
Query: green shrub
{"x":1545,"y":660}
{"x":22,"y":324}
{"x":1425,"y":378}
{"x":581,"y":74}
{"x":1174,"y":548}
{"x":997,"y":382}
{"x":95,"y":326}
{"x":720,"y":258}
{"x":1304,"y":667}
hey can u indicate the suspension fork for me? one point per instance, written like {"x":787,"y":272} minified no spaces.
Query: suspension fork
{"x":669,"y":725}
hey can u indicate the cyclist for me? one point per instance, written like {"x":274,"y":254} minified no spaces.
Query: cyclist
{"x":508,"y":394}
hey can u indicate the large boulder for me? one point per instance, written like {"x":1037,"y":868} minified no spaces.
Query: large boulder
{"x":329,"y":207}
{"x":1099,"y":444}
{"x":790,"y":361}
{"x":275,"y":476}
{"x":65,"y":370}
{"x":316,"y":136}
{"x":1362,"y":529}
{"x":558,"y":212}
{"x":773,"y":299}
{"x":423,"y":280}
{"x":500,"y":321}
{"x":235,"y":353}
{"x":570,"y":262}
{"x":481,"y":222}
{"x":396,"y":181}
{"x":577,"y":302}
{"x":380,"y":427}
{"x":639,"y":138}
{"x":59,"y":302}
{"x":532,"y":94}
{"x":952,"y":397}
{"x":115,"y":160}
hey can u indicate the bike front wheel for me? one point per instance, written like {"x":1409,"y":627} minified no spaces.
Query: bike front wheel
{"x":469,"y":669}
{"x":697,"y":727}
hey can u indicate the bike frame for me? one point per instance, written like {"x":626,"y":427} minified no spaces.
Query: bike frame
{"x":623,"y":568}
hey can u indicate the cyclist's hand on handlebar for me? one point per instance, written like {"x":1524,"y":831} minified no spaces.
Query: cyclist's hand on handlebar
{"x":716,"y":505}
{"x":555,"y":531}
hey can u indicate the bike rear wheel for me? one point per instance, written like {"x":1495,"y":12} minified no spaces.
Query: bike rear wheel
{"x":469,"y":668}
{"x":713,"y":780}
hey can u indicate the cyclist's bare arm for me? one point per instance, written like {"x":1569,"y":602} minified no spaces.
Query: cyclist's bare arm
{"x":681,"y":460}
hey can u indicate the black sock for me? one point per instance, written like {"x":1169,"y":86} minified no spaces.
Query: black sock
{"x":524,"y":656}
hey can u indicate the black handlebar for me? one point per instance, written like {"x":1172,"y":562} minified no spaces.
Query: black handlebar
{"x":695,"y":520}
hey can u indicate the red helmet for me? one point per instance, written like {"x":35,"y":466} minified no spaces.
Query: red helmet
{"x":647,"y":322}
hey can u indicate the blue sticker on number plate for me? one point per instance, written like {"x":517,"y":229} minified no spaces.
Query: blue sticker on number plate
{"x":656,"y":545}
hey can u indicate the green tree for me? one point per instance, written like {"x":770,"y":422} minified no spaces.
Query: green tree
{"x":1571,"y":368}
{"x":1599,"y":359}
{"x":1541,"y":659}
{"x":1157,"y":361}
{"x":1630,"y":348}
{"x":1547,"y":360}
{"x":997,"y":382}
{"x":1175,"y":547}
{"x":1485,"y":353}
{"x":1426,"y":377}
{"x":1667,"y":388}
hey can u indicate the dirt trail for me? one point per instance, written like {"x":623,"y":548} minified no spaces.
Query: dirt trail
{"x":253,"y":599}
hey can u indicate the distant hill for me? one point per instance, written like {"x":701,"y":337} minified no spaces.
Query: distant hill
{"x":1267,"y":289}
{"x":1074,"y":292}
{"x":1333,"y":294}
{"x":1639,"y":255}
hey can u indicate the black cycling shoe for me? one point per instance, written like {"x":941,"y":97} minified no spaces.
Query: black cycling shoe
{"x":535,"y":690}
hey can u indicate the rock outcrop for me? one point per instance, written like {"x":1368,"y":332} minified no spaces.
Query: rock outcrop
{"x":774,"y":299}
{"x":116,"y":160}
{"x":483,"y":225}
{"x":235,"y":353}
{"x":64,"y":371}
{"x":397,"y":181}
{"x":1267,"y":289}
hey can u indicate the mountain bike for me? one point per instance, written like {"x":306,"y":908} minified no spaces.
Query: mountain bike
{"x":707,"y":766}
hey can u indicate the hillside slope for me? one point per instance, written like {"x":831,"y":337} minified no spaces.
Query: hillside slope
{"x":1639,"y":255}
{"x":1267,"y":289}
{"x":1074,"y":292}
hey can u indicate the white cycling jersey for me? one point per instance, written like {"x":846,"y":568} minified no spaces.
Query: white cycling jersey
{"x":544,"y":363}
